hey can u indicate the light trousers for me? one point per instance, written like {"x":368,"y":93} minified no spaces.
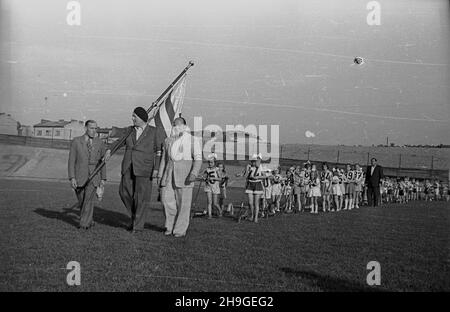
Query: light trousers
{"x":177,"y":207}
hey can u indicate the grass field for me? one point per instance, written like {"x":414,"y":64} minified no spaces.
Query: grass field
{"x":302,"y":252}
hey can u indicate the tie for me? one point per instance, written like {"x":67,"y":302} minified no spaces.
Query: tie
{"x":89,"y":146}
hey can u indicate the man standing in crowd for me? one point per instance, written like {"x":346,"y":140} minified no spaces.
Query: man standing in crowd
{"x":139,"y":165}
{"x":86,"y":152}
{"x":180,"y":163}
{"x":374,"y":174}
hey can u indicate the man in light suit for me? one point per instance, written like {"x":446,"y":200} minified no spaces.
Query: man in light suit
{"x":180,"y":164}
{"x":139,"y":165}
{"x":86,"y":152}
{"x":374,"y":174}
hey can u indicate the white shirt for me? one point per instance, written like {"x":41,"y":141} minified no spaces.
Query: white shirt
{"x":185,"y":147}
{"x":139,"y":131}
{"x":372,"y":169}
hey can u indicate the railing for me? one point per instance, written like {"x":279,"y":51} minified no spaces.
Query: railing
{"x":394,"y":163}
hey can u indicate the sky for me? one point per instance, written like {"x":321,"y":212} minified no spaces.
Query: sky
{"x":268,"y":62}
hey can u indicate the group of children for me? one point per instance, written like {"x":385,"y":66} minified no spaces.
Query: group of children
{"x":403,"y":190}
{"x":304,"y":187}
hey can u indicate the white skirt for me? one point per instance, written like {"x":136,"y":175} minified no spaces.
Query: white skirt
{"x":336,"y":190}
{"x":276,"y":189}
{"x":314,"y":191}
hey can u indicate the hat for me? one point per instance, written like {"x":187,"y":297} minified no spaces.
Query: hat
{"x":141,"y":113}
{"x":256,"y":156}
{"x":212,"y":156}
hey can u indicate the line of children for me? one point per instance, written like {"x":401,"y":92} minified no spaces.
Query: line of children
{"x":302,"y":188}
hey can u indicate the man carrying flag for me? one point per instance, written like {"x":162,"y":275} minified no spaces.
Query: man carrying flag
{"x":143,"y":142}
{"x":139,"y":165}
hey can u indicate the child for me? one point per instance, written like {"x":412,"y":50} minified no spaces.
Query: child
{"x":342,"y":186}
{"x":212,"y":188}
{"x":428,"y":190}
{"x":325,"y":183}
{"x":349,"y":187}
{"x":401,"y":191}
{"x":416,"y":189}
{"x":287,"y":191}
{"x":336,"y":190}
{"x":267,"y":196}
{"x":306,"y":184}
{"x":383,"y":190}
{"x":446,"y":192}
{"x":436,"y":187}
{"x":359,"y":183}
{"x":298,"y":177}
{"x":276,"y":188}
{"x":254,"y":187}
{"x":223,"y":186}
{"x":314,"y":192}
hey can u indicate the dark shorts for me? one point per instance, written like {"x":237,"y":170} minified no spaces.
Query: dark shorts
{"x":254,"y":187}
{"x":325,"y":189}
{"x":298,"y":190}
{"x":350,"y":188}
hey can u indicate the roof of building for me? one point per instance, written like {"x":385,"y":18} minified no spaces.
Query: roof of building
{"x":54,"y":124}
{"x":104,"y":130}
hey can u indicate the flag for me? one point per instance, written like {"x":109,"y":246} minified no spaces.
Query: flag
{"x":162,"y":116}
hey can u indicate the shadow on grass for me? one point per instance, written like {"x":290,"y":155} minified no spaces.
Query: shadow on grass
{"x":329,"y":283}
{"x":101,"y":216}
{"x":153,"y":227}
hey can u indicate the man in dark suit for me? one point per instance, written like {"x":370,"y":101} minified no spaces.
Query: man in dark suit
{"x":139,"y":166}
{"x":374,"y":174}
{"x":86,"y":152}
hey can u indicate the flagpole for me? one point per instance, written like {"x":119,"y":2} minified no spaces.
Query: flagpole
{"x":122,"y":140}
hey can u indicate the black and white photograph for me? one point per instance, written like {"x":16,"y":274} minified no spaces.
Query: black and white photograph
{"x":224,"y":152}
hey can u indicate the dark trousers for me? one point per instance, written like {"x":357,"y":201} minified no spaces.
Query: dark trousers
{"x":135,"y":193}
{"x":86,"y":198}
{"x":373,"y":195}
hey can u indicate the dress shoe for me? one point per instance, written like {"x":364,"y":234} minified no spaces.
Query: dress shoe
{"x":168,"y":233}
{"x":179,"y":235}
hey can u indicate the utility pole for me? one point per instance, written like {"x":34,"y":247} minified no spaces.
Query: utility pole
{"x":432,"y":166}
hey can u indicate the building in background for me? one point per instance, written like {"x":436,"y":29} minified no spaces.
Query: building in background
{"x":25,"y":130}
{"x":8,"y":125}
{"x":105,"y":134}
{"x":61,"y":129}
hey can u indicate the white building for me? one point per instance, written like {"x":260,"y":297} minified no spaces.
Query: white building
{"x":61,"y":129}
{"x":8,"y":125}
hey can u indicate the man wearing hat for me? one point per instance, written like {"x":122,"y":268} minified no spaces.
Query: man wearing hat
{"x":139,"y":165}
